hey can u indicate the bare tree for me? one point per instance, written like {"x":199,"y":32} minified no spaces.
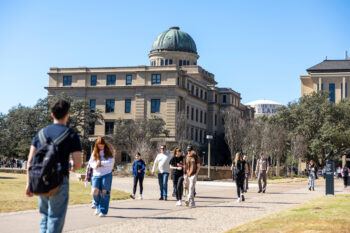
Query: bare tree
{"x":181,"y":130}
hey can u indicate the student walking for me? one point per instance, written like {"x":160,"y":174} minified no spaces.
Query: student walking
{"x":192,"y":167}
{"x":53,"y":205}
{"x":177,"y":165}
{"x":162,"y":163}
{"x":345,"y":174}
{"x":238,"y":168}
{"x":138,"y":171}
{"x":312,"y":170}
{"x":102,"y":163}
{"x":262,"y":171}
{"x":247,"y":173}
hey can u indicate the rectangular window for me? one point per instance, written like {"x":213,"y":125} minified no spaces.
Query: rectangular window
{"x":192,"y":90}
{"x":201,"y":117}
{"x":224,"y":99}
{"x":205,"y":95}
{"x":196,"y":135}
{"x":180,"y":62}
{"x":155,"y":105}
{"x":192,"y":136}
{"x":216,"y":98}
{"x":188,"y":112}
{"x":332,"y":92}
{"x":128,"y":79}
{"x":346,"y":90}
{"x":127,"y":106}
{"x":110,"y":105}
{"x":178,"y":81}
{"x":170,"y":61}
{"x":93,"y":80}
{"x":161,"y":62}
{"x":192,"y":113}
{"x":216,"y":120}
{"x":200,"y":136}
{"x":166,"y":62}
{"x":67,"y":80}
{"x":197,"y":93}
{"x":109,"y":127}
{"x":196,"y":115}
{"x":205,"y":118}
{"x":111,"y":79}
{"x":188,"y":86}
{"x":201,"y":94}
{"x":156,"y":79}
{"x":92,"y":105}
{"x":91,"y":130}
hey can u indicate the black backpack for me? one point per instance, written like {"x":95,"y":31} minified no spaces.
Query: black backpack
{"x":45,"y":172}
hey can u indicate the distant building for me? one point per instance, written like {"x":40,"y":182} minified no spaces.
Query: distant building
{"x":264,"y":107}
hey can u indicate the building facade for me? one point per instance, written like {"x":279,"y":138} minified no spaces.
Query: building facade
{"x":332,"y":76}
{"x":173,"y":83}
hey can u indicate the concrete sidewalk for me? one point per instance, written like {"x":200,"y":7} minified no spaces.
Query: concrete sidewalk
{"x":217,"y":210}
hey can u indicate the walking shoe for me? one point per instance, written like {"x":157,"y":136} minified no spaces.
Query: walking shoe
{"x":101,"y":215}
{"x":310,"y":188}
{"x":239,"y":199}
{"x":192,"y":206}
{"x":173,"y":195}
{"x":96,"y":212}
{"x":313,"y":189}
{"x":140,"y":197}
{"x":259,"y":191}
{"x":242,"y":197}
{"x":187,"y":203}
{"x":132,"y":196}
{"x":178,"y":203}
{"x":264,"y":191}
{"x":165,"y":198}
{"x":161,"y":198}
{"x":93,"y":206}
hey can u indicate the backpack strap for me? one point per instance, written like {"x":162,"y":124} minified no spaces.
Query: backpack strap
{"x":63,"y":136}
{"x":42,"y":138}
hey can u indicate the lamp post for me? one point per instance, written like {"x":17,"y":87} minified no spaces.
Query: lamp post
{"x":209,"y":137}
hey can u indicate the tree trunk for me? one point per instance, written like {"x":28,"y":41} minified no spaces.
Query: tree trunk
{"x":277,"y":167}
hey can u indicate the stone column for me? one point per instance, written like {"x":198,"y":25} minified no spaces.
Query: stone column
{"x":343,"y":94}
{"x":319,"y":84}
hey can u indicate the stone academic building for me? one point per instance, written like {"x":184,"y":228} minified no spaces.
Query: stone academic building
{"x":172,"y":83}
{"x":332,"y":76}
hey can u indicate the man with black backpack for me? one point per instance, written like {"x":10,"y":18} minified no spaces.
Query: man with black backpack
{"x":48,"y":167}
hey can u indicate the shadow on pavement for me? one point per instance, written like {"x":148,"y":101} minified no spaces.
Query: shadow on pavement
{"x":7,"y":178}
{"x":135,"y":208}
{"x":160,"y":218}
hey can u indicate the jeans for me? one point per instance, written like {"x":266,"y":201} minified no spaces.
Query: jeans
{"x":136,"y":179}
{"x":191,"y":188}
{"x":102,"y":192}
{"x":239,"y":185}
{"x":163,"y":184}
{"x":312,"y":181}
{"x":53,"y":209}
{"x":178,"y":187}
{"x":262,"y":176}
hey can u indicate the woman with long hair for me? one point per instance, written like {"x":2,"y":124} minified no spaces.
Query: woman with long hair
{"x":238,"y":168}
{"x":177,"y":165}
{"x":102,"y":162}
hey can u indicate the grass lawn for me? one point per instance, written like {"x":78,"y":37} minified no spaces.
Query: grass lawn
{"x":13,"y":196}
{"x":326,"y":214}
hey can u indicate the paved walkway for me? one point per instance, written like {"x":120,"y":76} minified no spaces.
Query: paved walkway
{"x":217,"y":210}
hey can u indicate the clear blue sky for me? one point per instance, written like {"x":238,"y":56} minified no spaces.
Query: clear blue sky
{"x":258,"y":48}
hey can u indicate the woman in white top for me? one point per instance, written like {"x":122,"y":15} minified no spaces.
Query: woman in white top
{"x":102,"y":162}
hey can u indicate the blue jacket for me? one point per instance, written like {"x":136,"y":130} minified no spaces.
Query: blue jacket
{"x":138,"y":165}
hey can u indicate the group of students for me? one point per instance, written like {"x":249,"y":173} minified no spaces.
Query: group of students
{"x":185,"y":169}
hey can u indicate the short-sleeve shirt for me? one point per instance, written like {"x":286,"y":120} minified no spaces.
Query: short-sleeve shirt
{"x":69,"y":145}
{"x":177,"y":162}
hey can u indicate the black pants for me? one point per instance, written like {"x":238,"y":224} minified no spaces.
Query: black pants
{"x":136,"y":179}
{"x":345,"y":179}
{"x":178,"y":180}
{"x":239,"y":184}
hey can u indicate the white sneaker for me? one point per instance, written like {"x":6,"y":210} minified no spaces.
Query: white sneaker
{"x":101,"y":215}
{"x":179,"y":203}
{"x":96,"y":212}
{"x":140,"y":197}
{"x":93,"y":206}
{"x":239,"y":199}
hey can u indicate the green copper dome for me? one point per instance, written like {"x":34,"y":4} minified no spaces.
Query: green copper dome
{"x":174,"y":40}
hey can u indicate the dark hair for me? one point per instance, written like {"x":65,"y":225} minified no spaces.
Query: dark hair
{"x":60,"y":109}
{"x":138,"y":153}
